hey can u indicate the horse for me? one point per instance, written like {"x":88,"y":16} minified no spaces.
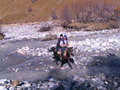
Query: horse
{"x":63,"y":59}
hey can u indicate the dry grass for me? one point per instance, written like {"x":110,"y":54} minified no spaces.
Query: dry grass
{"x":14,"y":11}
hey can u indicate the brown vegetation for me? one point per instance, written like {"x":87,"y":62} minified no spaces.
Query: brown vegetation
{"x":1,"y":35}
{"x":92,"y":26}
{"x":91,"y":11}
{"x":33,"y":1}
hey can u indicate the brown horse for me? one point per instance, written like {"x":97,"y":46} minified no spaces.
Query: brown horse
{"x":63,"y":59}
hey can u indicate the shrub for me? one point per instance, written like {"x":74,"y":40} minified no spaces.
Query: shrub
{"x":33,"y":1}
{"x":1,"y":35}
{"x":29,"y":9}
{"x":114,"y":25}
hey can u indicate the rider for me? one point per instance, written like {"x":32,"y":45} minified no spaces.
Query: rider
{"x":66,"y":40}
{"x":58,"y":43}
{"x":64,"y":44}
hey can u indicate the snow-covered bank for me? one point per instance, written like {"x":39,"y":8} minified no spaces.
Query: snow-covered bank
{"x":97,"y":44}
{"x":31,"y":31}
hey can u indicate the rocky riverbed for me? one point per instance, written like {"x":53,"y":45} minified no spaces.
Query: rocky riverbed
{"x":26,"y":64}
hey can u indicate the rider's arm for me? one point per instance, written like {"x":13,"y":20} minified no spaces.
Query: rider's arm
{"x":66,"y":43}
{"x":62,"y":45}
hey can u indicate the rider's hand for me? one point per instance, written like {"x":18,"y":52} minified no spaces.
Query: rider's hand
{"x":66,"y":45}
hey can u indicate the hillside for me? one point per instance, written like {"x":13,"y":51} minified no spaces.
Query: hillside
{"x":15,"y":11}
{"x":19,"y":11}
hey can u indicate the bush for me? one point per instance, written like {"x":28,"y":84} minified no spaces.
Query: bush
{"x":1,"y":36}
{"x":114,"y":25}
{"x":29,"y":9}
{"x":33,"y":1}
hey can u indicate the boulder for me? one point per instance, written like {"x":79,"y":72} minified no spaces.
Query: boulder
{"x":45,"y":28}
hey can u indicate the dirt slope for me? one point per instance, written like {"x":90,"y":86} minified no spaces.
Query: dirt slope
{"x":15,"y":11}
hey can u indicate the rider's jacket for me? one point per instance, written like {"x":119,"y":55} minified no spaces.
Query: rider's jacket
{"x":61,"y":41}
{"x":58,"y":43}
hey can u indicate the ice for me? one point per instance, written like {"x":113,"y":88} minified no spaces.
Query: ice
{"x":27,"y":51}
{"x":2,"y":81}
{"x":89,"y":45}
{"x":3,"y":88}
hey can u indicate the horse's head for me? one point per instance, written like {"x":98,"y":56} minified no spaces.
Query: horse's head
{"x":52,"y":49}
{"x":70,"y":50}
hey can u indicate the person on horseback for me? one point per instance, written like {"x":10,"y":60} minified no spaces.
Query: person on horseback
{"x":66,"y":45}
{"x":63,"y":45}
{"x":58,"y":43}
{"x":66,"y":40}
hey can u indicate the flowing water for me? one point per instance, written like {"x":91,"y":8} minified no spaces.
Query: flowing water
{"x":29,"y":59}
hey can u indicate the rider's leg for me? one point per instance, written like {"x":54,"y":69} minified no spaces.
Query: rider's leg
{"x":57,"y":48}
{"x":65,"y":53}
{"x":59,"y":52}
{"x":62,"y":51}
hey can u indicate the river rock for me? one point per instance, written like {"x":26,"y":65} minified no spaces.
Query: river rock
{"x":51,"y":84}
{"x":76,"y":77}
{"x":51,"y":80}
{"x":15,"y":82}
{"x":118,"y":88}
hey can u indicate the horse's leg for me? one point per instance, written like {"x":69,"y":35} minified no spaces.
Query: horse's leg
{"x":56,"y":60}
{"x":68,"y":61}
{"x":69,"y":65}
{"x":62,"y":63}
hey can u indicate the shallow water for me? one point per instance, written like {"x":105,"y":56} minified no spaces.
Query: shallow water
{"x":27,"y":67}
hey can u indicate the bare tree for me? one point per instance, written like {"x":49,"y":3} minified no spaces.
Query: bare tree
{"x":91,"y":11}
{"x":66,"y":15}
